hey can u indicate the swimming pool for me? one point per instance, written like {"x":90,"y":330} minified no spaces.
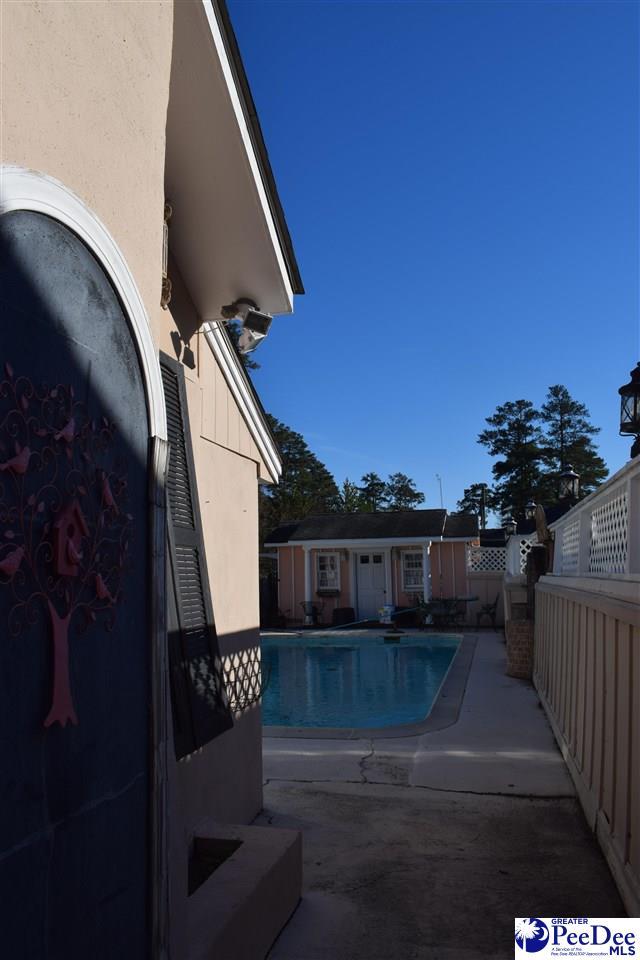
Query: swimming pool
{"x":353,"y":679}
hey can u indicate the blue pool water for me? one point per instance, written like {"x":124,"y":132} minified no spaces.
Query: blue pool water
{"x":352,"y":680}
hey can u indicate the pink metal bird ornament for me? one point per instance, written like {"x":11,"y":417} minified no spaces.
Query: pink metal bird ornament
{"x":19,"y":463}
{"x":11,"y":562}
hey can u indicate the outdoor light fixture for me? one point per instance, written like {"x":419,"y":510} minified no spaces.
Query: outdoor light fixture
{"x":530,"y":510}
{"x":569,"y":484}
{"x":255,"y":324}
{"x":510,"y":526}
{"x":630,"y":409}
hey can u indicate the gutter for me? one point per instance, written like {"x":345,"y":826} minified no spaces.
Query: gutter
{"x":244,"y":394}
{"x":370,"y":542}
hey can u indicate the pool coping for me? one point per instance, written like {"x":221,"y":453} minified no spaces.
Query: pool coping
{"x":443,"y":713}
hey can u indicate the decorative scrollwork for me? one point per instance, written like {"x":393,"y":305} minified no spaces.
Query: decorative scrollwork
{"x":64,"y":529}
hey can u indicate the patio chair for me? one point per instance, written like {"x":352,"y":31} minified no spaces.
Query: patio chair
{"x":425,"y":612}
{"x":459,"y":613}
{"x":438,"y":610}
{"x":488,"y":610}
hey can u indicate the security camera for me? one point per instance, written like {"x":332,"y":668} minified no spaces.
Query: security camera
{"x":255,"y":324}
{"x":255,"y":327}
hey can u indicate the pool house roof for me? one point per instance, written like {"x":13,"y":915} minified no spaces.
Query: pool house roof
{"x":401,"y":526}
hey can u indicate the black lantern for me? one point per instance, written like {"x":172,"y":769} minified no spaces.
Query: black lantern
{"x":569,"y":484}
{"x":530,"y":510}
{"x":630,"y":409}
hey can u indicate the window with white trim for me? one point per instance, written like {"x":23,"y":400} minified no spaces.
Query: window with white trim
{"x":327,"y":571}
{"x":412,"y":576}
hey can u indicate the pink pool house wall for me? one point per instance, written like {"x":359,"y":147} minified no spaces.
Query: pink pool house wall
{"x":362,"y":561}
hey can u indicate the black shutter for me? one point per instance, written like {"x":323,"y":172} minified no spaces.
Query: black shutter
{"x":200,"y":704}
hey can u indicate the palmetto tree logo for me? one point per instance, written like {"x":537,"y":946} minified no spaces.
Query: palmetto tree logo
{"x":64,"y":532}
{"x":531,"y":934}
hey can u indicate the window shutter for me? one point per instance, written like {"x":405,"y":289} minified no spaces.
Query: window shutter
{"x":200,"y":704}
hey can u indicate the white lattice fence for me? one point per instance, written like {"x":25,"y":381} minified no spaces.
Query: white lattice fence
{"x":486,"y":559}
{"x":599,"y":536}
{"x":609,"y":525}
{"x":517,"y":552}
{"x":525,"y":548}
{"x":570,"y":546}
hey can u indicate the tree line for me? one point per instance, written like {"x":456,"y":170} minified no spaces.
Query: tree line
{"x":307,"y":487}
{"x":533,"y":446}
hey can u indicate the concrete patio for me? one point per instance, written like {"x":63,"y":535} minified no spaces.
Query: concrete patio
{"x":428,"y":846}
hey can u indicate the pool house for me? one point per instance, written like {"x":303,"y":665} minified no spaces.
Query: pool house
{"x":342,"y":567}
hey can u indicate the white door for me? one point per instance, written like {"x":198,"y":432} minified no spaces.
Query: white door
{"x":371,"y":582}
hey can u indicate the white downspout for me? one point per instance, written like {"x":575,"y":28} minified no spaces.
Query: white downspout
{"x":426,"y":572}
{"x":353,"y":584}
{"x":308,"y":618}
{"x":388,"y":586}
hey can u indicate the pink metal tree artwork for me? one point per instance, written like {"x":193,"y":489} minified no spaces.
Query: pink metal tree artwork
{"x":64,"y":535}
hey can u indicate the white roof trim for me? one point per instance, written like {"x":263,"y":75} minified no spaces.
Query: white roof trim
{"x":370,"y":542}
{"x":227,"y":71}
{"x":234,"y":375}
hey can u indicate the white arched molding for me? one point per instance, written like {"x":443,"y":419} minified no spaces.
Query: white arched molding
{"x":22,"y":189}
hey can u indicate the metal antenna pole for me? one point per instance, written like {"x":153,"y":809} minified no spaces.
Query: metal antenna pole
{"x":439,"y":479}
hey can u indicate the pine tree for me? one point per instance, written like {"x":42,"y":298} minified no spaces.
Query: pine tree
{"x":306,"y":487}
{"x":372,"y":492}
{"x":234,"y":329}
{"x":350,"y":497}
{"x":568,"y":432}
{"x":515,"y":436}
{"x":477,"y":500}
{"x":401,"y":494}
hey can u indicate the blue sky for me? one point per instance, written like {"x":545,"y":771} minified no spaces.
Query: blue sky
{"x":461,"y":184}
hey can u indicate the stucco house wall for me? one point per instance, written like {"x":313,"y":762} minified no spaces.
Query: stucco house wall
{"x":91,"y":112}
{"x":72,"y":115}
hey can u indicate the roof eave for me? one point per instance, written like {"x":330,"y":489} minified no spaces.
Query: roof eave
{"x":259,"y":145}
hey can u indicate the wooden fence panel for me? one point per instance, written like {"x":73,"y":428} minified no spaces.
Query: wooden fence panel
{"x":587,"y":673}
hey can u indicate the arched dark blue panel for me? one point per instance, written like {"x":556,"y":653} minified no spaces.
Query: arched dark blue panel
{"x":74,"y":633}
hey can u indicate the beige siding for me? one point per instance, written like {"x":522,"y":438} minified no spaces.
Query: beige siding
{"x":224,"y":780}
{"x":229,"y":508}
{"x":215,"y":415}
{"x":587,"y":672}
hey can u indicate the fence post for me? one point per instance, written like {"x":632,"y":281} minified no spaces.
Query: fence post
{"x":537,"y":566}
